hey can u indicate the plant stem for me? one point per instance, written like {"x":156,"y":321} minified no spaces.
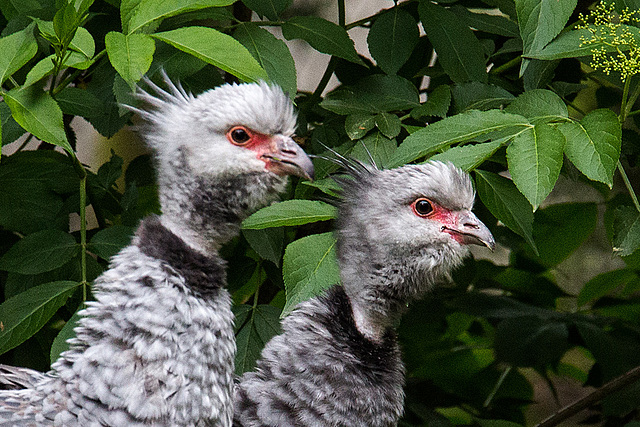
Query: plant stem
{"x":503,"y":376}
{"x":507,"y":65}
{"x":627,"y":184}
{"x":75,"y":74}
{"x":608,"y":389}
{"x":83,"y":236}
{"x":324,"y":81}
{"x":342,"y":16}
{"x":623,"y":106}
{"x":632,"y":100}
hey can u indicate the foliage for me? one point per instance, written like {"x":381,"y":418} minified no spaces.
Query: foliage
{"x":508,"y":97}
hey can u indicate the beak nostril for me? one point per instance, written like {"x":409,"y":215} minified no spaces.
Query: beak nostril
{"x":472,"y":225}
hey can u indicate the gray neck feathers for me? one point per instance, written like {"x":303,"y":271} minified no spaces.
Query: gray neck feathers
{"x":206,"y":211}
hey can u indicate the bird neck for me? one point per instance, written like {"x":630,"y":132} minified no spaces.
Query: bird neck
{"x":206,"y":210}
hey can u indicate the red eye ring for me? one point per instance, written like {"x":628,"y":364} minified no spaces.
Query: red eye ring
{"x":423,"y":207}
{"x":239,"y":135}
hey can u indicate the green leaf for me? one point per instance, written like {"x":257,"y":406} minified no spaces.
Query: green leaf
{"x":373,"y":94}
{"x":148,"y":11}
{"x":272,"y":54}
{"x":594,"y":144}
{"x":458,"y":49}
{"x":535,"y":159}
{"x":215,"y":48}
{"x":569,"y":45}
{"x":539,"y":105}
{"x":492,"y":24}
{"x":391,"y":39}
{"x":290,"y":212}
{"x":39,"y":114}
{"x":267,"y":242}
{"x":605,"y":283}
{"x":17,"y":49}
{"x":40,"y":252}
{"x":540,"y":21}
{"x":83,"y":43}
{"x":479,"y":96}
{"x":309,"y":267}
{"x":454,"y":129}
{"x":469,"y":157}
{"x":626,"y":230}
{"x":9,"y":128}
{"x":109,"y":241}
{"x":269,"y":8}
{"x":131,"y":55}
{"x":322,"y":35}
{"x":530,"y":341}
{"x":389,"y":124}
{"x":357,"y":125}
{"x":60,"y":343}
{"x":79,"y":102}
{"x":378,"y":146}
{"x":560,"y":229}
{"x":24,"y":315}
{"x":506,"y":203}
{"x":437,"y":104}
{"x":256,"y":327}
{"x":42,"y":68}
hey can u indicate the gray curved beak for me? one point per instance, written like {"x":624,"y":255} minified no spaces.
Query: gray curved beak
{"x":288,"y":158}
{"x":473,"y":231}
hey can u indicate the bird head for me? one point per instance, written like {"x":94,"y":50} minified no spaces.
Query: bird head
{"x":220,"y":155}
{"x":402,"y":230}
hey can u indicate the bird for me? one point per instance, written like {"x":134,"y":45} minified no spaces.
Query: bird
{"x":337,"y":361}
{"x":157,"y":347}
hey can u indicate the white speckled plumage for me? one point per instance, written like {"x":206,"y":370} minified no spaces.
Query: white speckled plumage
{"x":157,"y":346}
{"x":337,"y":362}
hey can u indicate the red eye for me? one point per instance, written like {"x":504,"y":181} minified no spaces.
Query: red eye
{"x":422,"y":207}
{"x":239,"y":135}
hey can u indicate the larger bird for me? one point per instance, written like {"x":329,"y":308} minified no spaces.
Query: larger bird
{"x":337,"y":362}
{"x":157,"y":346}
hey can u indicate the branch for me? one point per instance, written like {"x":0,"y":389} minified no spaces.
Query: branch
{"x":609,"y":388}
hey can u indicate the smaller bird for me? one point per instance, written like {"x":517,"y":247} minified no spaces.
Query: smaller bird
{"x":157,"y":346}
{"x":337,"y":361}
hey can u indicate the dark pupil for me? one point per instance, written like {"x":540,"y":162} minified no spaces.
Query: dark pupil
{"x":240,"y":135}
{"x":423,"y":207}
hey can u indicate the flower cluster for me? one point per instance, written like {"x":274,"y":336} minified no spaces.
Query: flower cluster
{"x":615,"y":43}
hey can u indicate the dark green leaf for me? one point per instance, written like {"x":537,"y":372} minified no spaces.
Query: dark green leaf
{"x":309,"y":267}
{"x":17,"y":49}
{"x":377,"y":146}
{"x":357,"y":125}
{"x":290,"y":212}
{"x":109,"y":241}
{"x":60,"y":343}
{"x":539,"y":105}
{"x":389,"y":124}
{"x":322,"y":35}
{"x":269,"y":8}
{"x":272,"y":54}
{"x":257,"y":327}
{"x":530,"y":341}
{"x":392,"y":38}
{"x":458,"y":49}
{"x":560,"y":229}
{"x":454,"y":129}
{"x":130,"y":55}
{"x":540,"y":21}
{"x":479,"y":96}
{"x":437,"y":104}
{"x":79,"y":102}
{"x":215,"y":48}
{"x":469,"y":157}
{"x":148,"y":11}
{"x":569,"y":45}
{"x":373,"y":94}
{"x":605,"y":283}
{"x":626,"y":230}
{"x":506,"y":203}
{"x":39,"y":114}
{"x":40,"y":252}
{"x":594,"y":144}
{"x":268,"y":242}
{"x":24,"y":315}
{"x":489,"y":23}
{"x":535,"y":159}
{"x":9,"y":128}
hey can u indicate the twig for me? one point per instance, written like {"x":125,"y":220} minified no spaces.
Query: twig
{"x":609,"y":388}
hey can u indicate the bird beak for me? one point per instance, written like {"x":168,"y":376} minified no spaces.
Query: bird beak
{"x":471,"y":231}
{"x":285,"y":157}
